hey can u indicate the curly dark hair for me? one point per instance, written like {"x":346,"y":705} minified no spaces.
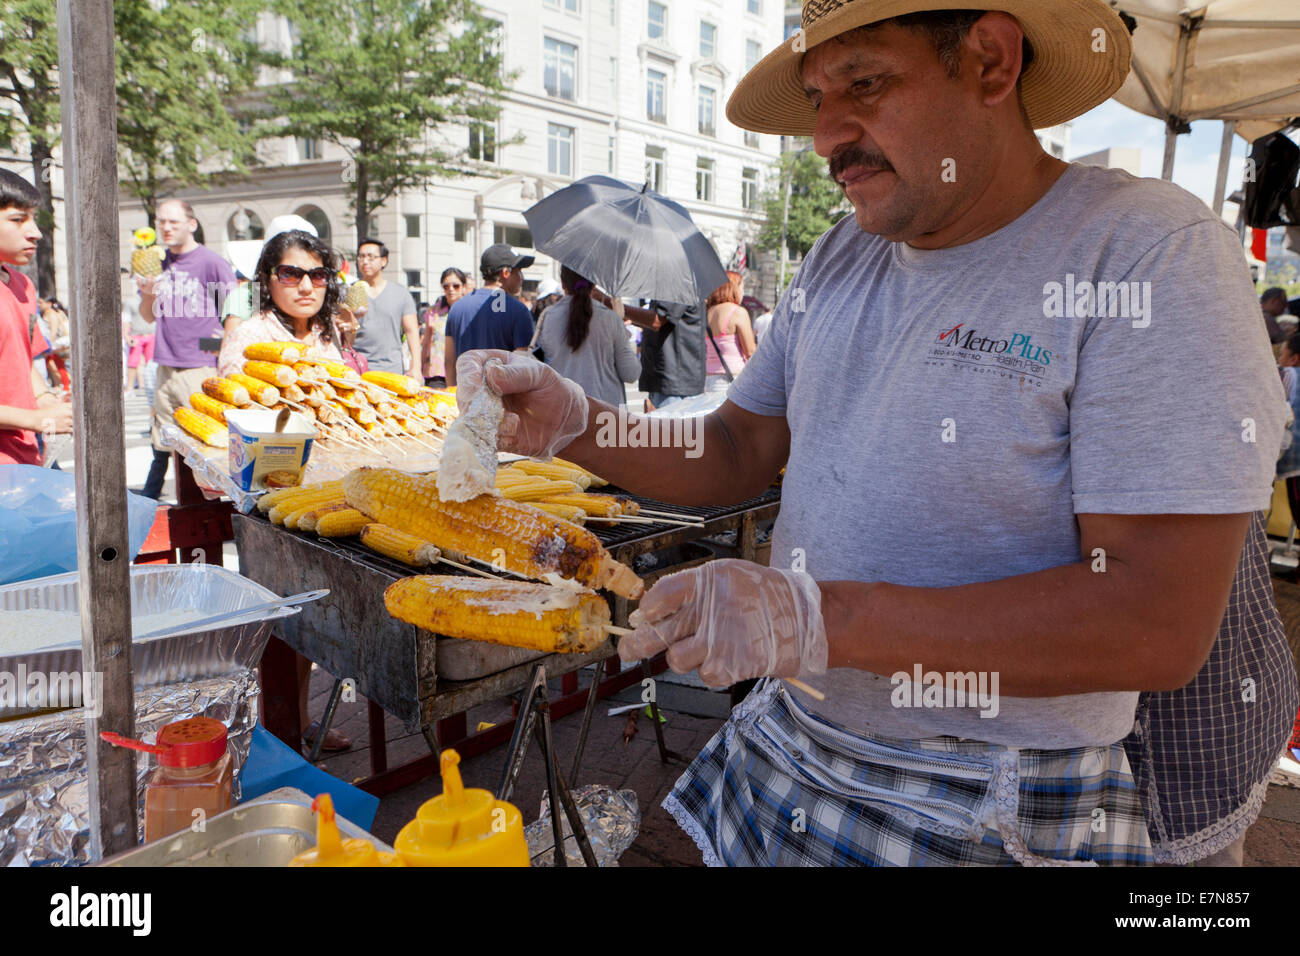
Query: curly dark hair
{"x":272,"y":254}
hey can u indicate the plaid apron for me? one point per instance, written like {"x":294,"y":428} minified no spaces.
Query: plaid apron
{"x":1202,"y":754}
{"x":778,"y":786}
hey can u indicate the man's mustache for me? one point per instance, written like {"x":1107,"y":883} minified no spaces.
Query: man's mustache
{"x":854,"y":157}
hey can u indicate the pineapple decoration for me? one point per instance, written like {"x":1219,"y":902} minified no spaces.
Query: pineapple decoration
{"x":358,"y":298}
{"x":147,"y":259}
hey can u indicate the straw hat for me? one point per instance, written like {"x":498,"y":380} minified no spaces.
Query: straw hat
{"x":1066,"y":79}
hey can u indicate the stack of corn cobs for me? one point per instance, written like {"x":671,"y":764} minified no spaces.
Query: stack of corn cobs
{"x":532,"y":528}
{"x":350,"y":408}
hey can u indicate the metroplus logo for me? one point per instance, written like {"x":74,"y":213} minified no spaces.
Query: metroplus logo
{"x":1020,"y":344}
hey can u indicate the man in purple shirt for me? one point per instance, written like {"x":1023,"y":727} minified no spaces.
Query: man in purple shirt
{"x":187,"y":302}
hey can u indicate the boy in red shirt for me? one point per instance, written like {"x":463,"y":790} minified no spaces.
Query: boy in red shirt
{"x":26,"y":403}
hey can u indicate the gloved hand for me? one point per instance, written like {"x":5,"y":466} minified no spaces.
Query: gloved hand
{"x":733,"y":620}
{"x":544,"y":410}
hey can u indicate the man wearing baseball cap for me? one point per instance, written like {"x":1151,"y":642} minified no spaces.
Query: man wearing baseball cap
{"x":491,"y":317}
{"x":997,"y":528}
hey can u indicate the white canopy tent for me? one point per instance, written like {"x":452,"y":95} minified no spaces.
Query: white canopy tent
{"x":1232,"y":60}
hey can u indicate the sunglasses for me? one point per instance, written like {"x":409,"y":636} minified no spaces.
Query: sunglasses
{"x":292,"y":275}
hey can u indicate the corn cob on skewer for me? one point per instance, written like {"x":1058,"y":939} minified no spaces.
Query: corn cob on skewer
{"x":567,"y":512}
{"x":301,"y":504}
{"x":273,"y":498}
{"x":401,"y":385}
{"x":261,"y":392}
{"x":399,"y":545}
{"x":598,"y":506}
{"x":227,"y":391}
{"x":273,"y":373}
{"x":342,"y":524}
{"x":537,"y":489}
{"x":205,"y":429}
{"x":514,"y":613}
{"x":554,"y":472}
{"x":287,"y":352}
{"x":212,"y":407}
{"x":596,"y":480}
{"x":309,"y":520}
{"x":508,"y":533}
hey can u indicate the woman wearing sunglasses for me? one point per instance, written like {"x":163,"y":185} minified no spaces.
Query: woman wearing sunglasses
{"x":455,"y":284}
{"x":298,"y":297}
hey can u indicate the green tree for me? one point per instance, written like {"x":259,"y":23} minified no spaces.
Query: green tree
{"x":377,"y":77}
{"x":181,"y":66}
{"x":816,"y":203}
{"x":29,"y":85}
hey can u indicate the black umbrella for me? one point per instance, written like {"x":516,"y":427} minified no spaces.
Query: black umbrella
{"x":631,"y":242}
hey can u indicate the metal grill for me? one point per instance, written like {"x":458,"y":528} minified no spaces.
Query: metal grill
{"x":641,"y":537}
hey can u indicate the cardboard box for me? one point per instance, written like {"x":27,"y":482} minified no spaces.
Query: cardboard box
{"x":257,"y":450}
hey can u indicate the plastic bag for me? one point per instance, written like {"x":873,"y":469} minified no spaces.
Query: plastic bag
{"x":38,"y":522}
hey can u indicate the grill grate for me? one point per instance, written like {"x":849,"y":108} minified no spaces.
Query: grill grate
{"x":614,"y":536}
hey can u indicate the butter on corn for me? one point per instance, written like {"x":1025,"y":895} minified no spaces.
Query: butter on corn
{"x":514,"y":613}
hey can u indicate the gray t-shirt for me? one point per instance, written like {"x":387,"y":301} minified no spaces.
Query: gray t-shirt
{"x":604,"y":362}
{"x":380,"y":337}
{"x":951,"y":411}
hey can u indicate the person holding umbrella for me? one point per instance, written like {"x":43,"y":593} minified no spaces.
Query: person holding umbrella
{"x":981,"y":673}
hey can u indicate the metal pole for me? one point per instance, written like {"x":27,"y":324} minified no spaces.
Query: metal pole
{"x":86,"y":70}
{"x":785,"y":222}
{"x":1174,"y":118}
{"x":1225,"y":156}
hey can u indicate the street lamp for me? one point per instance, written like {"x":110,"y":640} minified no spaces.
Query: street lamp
{"x":785,"y":217}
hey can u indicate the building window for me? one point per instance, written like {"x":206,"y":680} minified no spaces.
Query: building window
{"x":611,"y":155}
{"x":754,"y":6}
{"x":493,"y":46}
{"x":749,"y":188}
{"x":704,"y":179}
{"x":559,"y":149}
{"x":751,"y":139}
{"x":517,"y":237}
{"x":654,"y":168}
{"x":483,"y":142}
{"x":570,"y":5}
{"x":413,"y":282}
{"x":708,"y":40}
{"x":707,"y":102}
{"x":613,"y":13}
{"x":560,"y":69}
{"x":657,"y":21}
{"x":753,"y":53}
{"x":655,"y":85}
{"x":412,"y":226}
{"x":460,"y":230}
{"x":248,"y":226}
{"x":308,"y":148}
{"x":316,"y":216}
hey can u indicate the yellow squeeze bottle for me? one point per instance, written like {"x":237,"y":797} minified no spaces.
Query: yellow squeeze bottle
{"x":332,"y":850}
{"x":463,"y":827}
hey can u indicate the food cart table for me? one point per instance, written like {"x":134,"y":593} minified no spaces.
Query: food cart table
{"x":394,"y":665}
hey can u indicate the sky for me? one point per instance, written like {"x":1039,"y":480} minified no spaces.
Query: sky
{"x":1196,"y":162}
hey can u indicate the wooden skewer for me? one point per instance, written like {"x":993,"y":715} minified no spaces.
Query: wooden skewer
{"x":471,"y":570}
{"x":612,"y":629}
{"x":670,"y":514}
{"x":655,"y":519}
{"x":800,"y":685}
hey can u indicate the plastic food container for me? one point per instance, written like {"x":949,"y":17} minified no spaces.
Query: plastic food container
{"x":261,"y":457}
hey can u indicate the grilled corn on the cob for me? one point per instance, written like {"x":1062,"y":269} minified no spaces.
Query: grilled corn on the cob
{"x":227,"y":391}
{"x":511,"y":534}
{"x":288,"y":352}
{"x":402,"y":385}
{"x":554,"y":472}
{"x":514,"y":613}
{"x":205,"y":429}
{"x":273,"y":373}
{"x":399,"y":545}
{"x":212,"y":407}
{"x":261,"y":392}
{"x":342,"y":524}
{"x":273,"y":498}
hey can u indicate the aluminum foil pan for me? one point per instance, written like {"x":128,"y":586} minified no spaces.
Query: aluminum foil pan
{"x":44,"y":807}
{"x":179,"y":654}
{"x":611,"y":818}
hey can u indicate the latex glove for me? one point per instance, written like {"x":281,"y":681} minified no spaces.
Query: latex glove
{"x":733,"y":620}
{"x":544,"y":410}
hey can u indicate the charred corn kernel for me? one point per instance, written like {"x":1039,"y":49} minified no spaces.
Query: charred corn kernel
{"x":402,"y":385}
{"x":227,"y":391}
{"x":598,"y":506}
{"x":629,"y":506}
{"x":514,"y":613}
{"x":260,"y":392}
{"x":212,"y":407}
{"x":399,"y":545}
{"x":273,"y":373}
{"x":513,"y":535}
{"x":341,"y":524}
{"x":554,"y":472}
{"x":309,"y":373}
{"x":288,"y":352}
{"x":272,"y":498}
{"x":596,"y":480}
{"x":537,"y":489}
{"x":567,"y":512}
{"x":205,"y":429}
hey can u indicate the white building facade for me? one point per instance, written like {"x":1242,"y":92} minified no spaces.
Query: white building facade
{"x":634,"y":89}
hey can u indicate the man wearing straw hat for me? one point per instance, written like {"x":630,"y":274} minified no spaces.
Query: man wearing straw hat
{"x":998,"y":527}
